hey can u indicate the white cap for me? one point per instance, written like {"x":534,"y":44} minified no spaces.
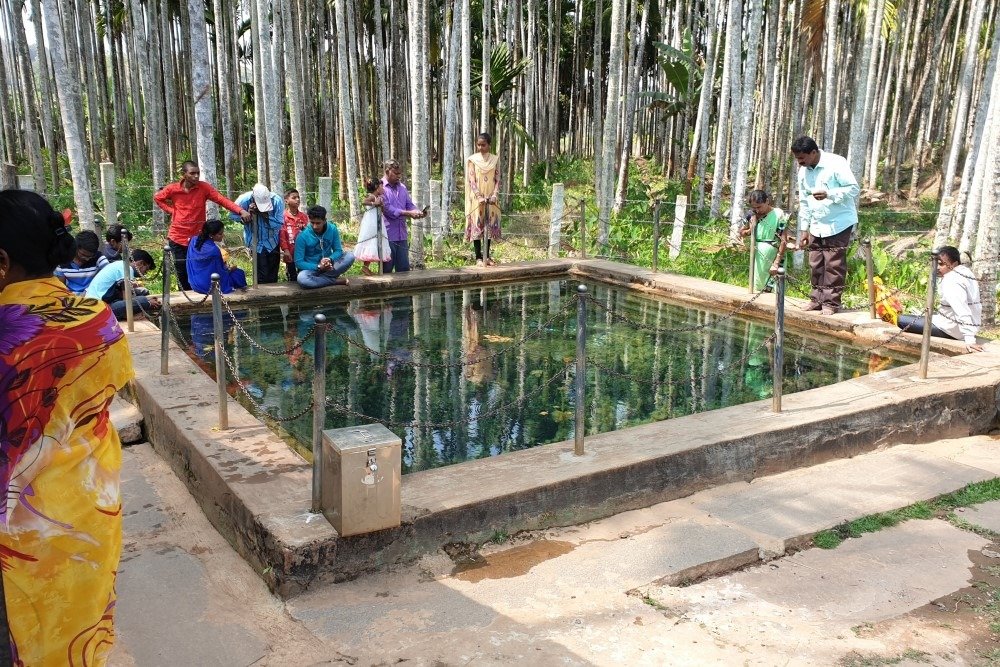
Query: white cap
{"x":262,"y":197}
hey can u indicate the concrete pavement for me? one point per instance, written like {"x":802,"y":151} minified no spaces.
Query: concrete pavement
{"x":599,"y":593}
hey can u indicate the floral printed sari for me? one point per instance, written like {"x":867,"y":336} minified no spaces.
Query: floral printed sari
{"x":62,"y":358}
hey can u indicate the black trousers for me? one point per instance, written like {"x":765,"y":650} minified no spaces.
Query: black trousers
{"x":180,"y":253}
{"x":267,"y":266}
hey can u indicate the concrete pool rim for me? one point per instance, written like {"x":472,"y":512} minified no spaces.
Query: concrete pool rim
{"x":256,"y":491}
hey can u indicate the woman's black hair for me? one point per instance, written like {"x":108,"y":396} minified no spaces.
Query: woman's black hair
{"x":208,"y":230}
{"x":485,"y":136}
{"x":372,"y":185}
{"x":33,"y":234}
{"x":759,"y":197}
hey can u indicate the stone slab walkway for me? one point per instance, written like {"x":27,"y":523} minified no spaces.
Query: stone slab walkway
{"x":601,"y":593}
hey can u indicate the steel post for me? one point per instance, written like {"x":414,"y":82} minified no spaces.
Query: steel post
{"x":165,"y":314}
{"x":319,"y":411}
{"x":870,"y":270}
{"x":127,"y":287}
{"x":220,"y":364}
{"x":656,"y":236}
{"x":583,"y":229}
{"x":778,"y":368}
{"x":255,"y":230}
{"x":925,"y":344}
{"x":580,"y":425}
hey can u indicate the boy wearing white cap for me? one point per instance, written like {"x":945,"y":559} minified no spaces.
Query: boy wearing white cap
{"x":267,"y":211}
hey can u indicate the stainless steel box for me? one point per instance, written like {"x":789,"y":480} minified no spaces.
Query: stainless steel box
{"x":361,"y":478}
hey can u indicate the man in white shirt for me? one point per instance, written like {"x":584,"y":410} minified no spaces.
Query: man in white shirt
{"x":960,"y":314}
{"x":828,"y":211}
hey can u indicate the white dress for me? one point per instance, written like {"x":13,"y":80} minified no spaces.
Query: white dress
{"x":369,"y":236}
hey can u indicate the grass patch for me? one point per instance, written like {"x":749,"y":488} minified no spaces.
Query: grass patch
{"x":855,"y":659}
{"x":654,"y":604}
{"x":943,"y":507}
{"x":499,"y":537}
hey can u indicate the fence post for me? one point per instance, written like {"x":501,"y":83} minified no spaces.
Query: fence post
{"x":220,"y":364}
{"x":165,"y":313}
{"x":555,"y":218}
{"x":110,"y":194}
{"x":127,"y":285}
{"x":437,"y":221}
{"x":753,"y":254}
{"x":319,"y":411}
{"x":583,"y":229}
{"x":26,"y":182}
{"x":8,"y":176}
{"x":254,"y":239}
{"x":925,"y":344}
{"x":580,"y":424}
{"x":677,"y":234}
{"x":326,"y":192}
{"x":778,"y":370}
{"x":870,"y":270}
{"x":656,"y":236}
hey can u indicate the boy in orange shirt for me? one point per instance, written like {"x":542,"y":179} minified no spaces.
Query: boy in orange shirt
{"x":295,"y":221}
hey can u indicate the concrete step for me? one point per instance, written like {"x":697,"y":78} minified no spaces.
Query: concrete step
{"x":127,"y":420}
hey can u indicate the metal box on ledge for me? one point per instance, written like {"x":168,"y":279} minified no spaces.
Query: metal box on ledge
{"x":361,"y":478}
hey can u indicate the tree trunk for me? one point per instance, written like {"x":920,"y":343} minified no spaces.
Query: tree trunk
{"x":201,"y":93}
{"x":731,"y":61}
{"x":349,"y":156}
{"x":859,"y":117}
{"x":961,"y":108}
{"x":270,"y":99}
{"x":612,"y":114}
{"x":830,"y":86}
{"x":68,"y":86}
{"x":746,"y":113}
{"x":451,"y":116}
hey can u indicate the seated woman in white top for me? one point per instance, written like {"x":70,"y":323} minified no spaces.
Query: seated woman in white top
{"x":960,"y":314}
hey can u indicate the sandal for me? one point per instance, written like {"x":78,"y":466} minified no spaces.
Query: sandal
{"x":491,"y":262}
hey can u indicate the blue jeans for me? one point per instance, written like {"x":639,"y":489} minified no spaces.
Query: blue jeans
{"x":400,"y":257}
{"x":314,"y":279}
{"x":914,"y":324}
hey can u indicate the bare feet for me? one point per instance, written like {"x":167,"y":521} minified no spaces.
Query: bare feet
{"x":366,"y":271}
{"x":342,"y":281}
{"x":491,"y":262}
{"x":479,"y":263}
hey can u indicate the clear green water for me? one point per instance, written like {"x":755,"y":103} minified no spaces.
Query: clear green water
{"x":468,"y":374}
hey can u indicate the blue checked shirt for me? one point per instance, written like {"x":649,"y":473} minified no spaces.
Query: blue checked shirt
{"x":268,"y":224}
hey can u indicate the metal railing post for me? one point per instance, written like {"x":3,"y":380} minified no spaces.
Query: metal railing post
{"x":580,"y":425}
{"x":127,"y":287}
{"x":925,"y":344}
{"x":253,"y":249}
{"x":583,"y":229}
{"x":220,"y":364}
{"x":319,"y":411}
{"x":753,"y":254}
{"x":165,"y":314}
{"x":870,"y":269}
{"x":656,"y":236}
{"x":778,"y":371}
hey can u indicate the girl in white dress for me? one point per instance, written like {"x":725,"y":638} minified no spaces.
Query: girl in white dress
{"x":372,"y":233}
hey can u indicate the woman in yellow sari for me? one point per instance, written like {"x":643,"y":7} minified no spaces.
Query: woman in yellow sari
{"x":62,"y":358}
{"x":482,"y":212}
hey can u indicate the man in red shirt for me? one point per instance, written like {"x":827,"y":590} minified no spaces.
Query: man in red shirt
{"x":185,"y":202}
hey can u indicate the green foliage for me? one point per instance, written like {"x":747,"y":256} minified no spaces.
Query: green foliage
{"x":682,"y":74}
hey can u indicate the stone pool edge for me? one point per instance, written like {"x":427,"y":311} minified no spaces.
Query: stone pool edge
{"x":256,"y":491}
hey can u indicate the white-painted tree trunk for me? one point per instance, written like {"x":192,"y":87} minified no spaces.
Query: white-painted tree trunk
{"x":961,"y":108}
{"x":859,"y":135}
{"x":350,"y":156}
{"x":467,"y":131}
{"x":830,"y":82}
{"x":294,"y":96}
{"x":746,"y":112}
{"x":732,"y":55}
{"x":611,"y":116}
{"x":201,"y":94}
{"x":988,"y":237}
{"x":484,"y":108}
{"x":381,"y":84}
{"x":68,"y":87}
{"x":272,"y":107}
{"x":451,"y":116}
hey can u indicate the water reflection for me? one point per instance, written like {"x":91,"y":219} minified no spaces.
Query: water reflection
{"x":474,"y":373}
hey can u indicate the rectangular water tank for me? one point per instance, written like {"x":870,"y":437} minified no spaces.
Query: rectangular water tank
{"x":361,"y":478}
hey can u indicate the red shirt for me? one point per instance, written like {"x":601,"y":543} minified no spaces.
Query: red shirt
{"x":293,"y":225}
{"x":187,"y":208}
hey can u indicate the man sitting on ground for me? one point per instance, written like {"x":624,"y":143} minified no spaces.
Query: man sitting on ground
{"x":319,"y":256}
{"x":87,"y":263}
{"x":109,"y":285}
